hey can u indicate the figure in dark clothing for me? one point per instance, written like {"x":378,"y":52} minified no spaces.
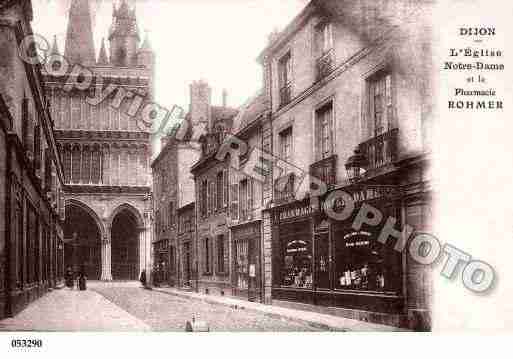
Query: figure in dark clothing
{"x":142,"y":278}
{"x":70,"y":283}
{"x":82,"y":281}
{"x":155,"y":277}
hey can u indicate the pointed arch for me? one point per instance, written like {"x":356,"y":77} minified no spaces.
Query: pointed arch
{"x":88,"y":210}
{"x":132,"y":210}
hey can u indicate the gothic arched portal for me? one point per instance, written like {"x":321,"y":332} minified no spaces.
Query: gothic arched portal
{"x":125,"y":245}
{"x":82,"y":244}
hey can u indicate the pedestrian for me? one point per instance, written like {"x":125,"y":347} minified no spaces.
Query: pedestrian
{"x":142,"y":278}
{"x":69,"y":278}
{"x":82,"y":280}
{"x":155,"y":277}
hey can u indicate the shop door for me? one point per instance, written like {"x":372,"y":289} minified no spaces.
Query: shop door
{"x":187,"y":264}
{"x":322,"y":261}
{"x":242,"y":264}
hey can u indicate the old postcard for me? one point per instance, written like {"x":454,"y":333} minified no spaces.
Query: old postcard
{"x":254,"y":166}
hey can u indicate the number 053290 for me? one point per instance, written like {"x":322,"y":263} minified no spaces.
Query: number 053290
{"x":26,"y":343}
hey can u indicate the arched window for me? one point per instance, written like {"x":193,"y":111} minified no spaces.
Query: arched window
{"x":76,"y":165}
{"x":96,"y":166}
{"x":67,"y":164}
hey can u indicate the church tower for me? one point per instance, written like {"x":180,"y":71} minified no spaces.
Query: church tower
{"x":124,"y":36}
{"x":105,"y":150}
{"x":79,"y":36}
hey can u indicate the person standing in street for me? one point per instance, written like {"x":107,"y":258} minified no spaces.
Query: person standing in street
{"x":69,"y":278}
{"x":82,"y":280}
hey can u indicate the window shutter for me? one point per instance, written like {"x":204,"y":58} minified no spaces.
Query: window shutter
{"x":226,"y":189}
{"x":235,"y":202}
{"x":251,"y":195}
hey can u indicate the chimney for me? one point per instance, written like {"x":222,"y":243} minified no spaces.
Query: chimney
{"x":225,"y":98}
{"x":200,"y":106}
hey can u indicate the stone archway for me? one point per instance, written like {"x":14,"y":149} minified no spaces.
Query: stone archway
{"x":125,"y":225}
{"x":83,"y":233}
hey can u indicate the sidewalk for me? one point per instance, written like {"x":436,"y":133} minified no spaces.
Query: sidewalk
{"x":72,"y":310}
{"x":322,"y":321}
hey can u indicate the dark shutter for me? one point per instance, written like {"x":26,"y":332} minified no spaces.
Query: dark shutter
{"x":226,"y":188}
{"x":234,"y":210}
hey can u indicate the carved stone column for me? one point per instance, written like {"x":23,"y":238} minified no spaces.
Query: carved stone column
{"x":106,"y":257}
{"x":144,"y":250}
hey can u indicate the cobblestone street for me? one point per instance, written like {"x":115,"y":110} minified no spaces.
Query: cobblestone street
{"x":128,"y":307}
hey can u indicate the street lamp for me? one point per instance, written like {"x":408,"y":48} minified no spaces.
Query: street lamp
{"x":356,"y":166}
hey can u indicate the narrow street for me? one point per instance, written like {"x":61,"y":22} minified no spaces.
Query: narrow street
{"x":125,"y":306}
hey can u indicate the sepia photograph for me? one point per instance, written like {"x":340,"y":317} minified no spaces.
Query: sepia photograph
{"x":233,"y":166}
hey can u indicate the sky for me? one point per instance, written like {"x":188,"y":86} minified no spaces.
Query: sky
{"x":214,"y":40}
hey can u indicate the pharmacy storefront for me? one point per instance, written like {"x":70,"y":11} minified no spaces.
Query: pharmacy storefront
{"x":322,"y":261}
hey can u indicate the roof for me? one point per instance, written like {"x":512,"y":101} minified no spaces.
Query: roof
{"x":223,"y":113}
{"x":250,"y":112}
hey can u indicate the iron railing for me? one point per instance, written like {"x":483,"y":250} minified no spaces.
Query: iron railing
{"x":325,"y":64}
{"x":325,"y":170}
{"x":285,"y":94}
{"x":381,"y":150}
{"x":284,"y":189}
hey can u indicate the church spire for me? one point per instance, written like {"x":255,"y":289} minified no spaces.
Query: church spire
{"x":79,"y":46}
{"x":102,"y":58}
{"x":55,"y":47}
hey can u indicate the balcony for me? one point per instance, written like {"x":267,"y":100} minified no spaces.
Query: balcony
{"x":325,"y":170}
{"x":284,"y":189}
{"x":381,"y":150}
{"x":285,"y":95}
{"x":325,"y":64}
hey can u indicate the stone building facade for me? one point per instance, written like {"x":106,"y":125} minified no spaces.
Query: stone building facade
{"x":104,"y":149}
{"x":247,"y":201}
{"x":212,"y":177}
{"x":173,"y":189}
{"x":337,"y":83}
{"x":31,"y":175}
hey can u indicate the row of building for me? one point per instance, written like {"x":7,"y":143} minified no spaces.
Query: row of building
{"x":346,"y":102}
{"x":31,"y":174}
{"x":75,"y":182}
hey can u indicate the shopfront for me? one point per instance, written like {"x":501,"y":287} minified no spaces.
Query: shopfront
{"x":161,"y":253}
{"x":246,"y":278}
{"x":322,"y":261}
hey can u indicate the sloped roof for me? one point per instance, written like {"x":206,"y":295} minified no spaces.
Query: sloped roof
{"x":249,"y":112}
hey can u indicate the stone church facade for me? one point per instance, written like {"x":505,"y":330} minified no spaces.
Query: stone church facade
{"x":105,"y":154}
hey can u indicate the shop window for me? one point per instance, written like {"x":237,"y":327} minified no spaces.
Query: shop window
{"x":363,"y":263}
{"x":297,"y":255}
